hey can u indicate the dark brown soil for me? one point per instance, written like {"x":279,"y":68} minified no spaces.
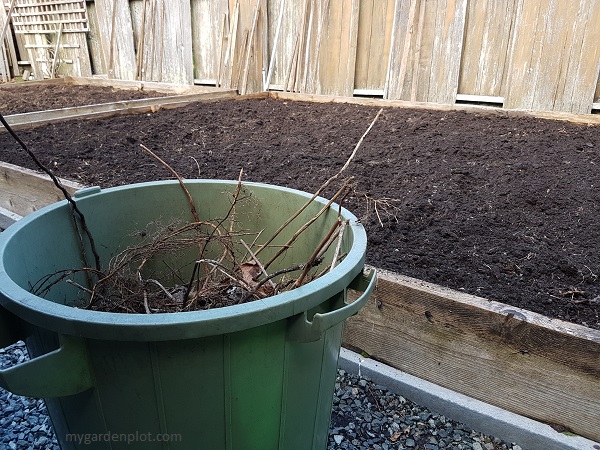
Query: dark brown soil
{"x":501,"y":207}
{"x":28,"y":98}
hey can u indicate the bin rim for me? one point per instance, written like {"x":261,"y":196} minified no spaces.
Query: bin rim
{"x":180,"y":325}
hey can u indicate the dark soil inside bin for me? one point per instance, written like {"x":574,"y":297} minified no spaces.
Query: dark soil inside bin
{"x":29,"y":98}
{"x":505,"y":208}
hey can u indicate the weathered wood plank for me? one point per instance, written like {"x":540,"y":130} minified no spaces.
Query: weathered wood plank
{"x":140,"y":85}
{"x":55,"y":81}
{"x":327,"y":49}
{"x":383,"y":16}
{"x":597,"y":94}
{"x":394,"y":84}
{"x":207,"y":24}
{"x":167,"y":43}
{"x":7,"y":218}
{"x":583,"y":66}
{"x":486,"y":45}
{"x":96,"y":54}
{"x":23,"y":191}
{"x":447,"y":51}
{"x":283,"y":52}
{"x":116,"y":41}
{"x":555,"y":56}
{"x":524,"y":362}
{"x":364,"y":45}
{"x":348,"y":70}
{"x":426,"y":52}
{"x":78,"y":53}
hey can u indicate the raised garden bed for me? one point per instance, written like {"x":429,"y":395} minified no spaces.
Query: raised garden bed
{"x":503,"y":208}
{"x":500,"y":206}
{"x":42,"y":102}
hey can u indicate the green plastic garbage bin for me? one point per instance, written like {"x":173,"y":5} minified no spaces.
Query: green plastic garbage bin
{"x":259,"y":375}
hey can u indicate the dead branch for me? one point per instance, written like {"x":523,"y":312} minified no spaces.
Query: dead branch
{"x":274,"y":275}
{"x":387,"y":205}
{"x":314,"y":255}
{"x":181,"y":183}
{"x":262,"y":268}
{"x":324,"y":185}
{"x":339,"y":193}
{"x":339,"y":244}
{"x":64,"y":191}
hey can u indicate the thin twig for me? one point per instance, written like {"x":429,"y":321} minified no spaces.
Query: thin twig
{"x":235,"y":198}
{"x":197,"y":165}
{"x":229,"y":212}
{"x":79,"y":286}
{"x":162,"y":288}
{"x":339,"y":244}
{"x":221,"y":268}
{"x":314,"y":255}
{"x":146,"y":307}
{"x":309,"y":223}
{"x":262,"y":269}
{"x":60,"y":186}
{"x":185,"y":189}
{"x":274,"y":275}
{"x":190,"y":284}
{"x":325,"y":185}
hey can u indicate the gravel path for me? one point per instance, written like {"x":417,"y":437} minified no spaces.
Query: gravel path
{"x":365,"y":417}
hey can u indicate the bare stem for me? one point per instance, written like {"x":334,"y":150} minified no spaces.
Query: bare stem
{"x":60,"y":186}
{"x":339,"y":244}
{"x":185,"y":189}
{"x":309,"y":223}
{"x":324,"y":185}
{"x":262,"y":269}
{"x":313,"y":257}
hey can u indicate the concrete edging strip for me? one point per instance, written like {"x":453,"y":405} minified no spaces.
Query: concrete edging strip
{"x":483,"y":417}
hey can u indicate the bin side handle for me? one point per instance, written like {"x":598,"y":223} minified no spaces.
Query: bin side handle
{"x":62,"y":372}
{"x":302,"y":330}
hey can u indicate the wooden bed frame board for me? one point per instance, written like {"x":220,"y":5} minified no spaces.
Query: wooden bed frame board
{"x":23,"y":191}
{"x":526,"y":363}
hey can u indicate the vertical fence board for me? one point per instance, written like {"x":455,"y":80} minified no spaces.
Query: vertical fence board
{"x":166,"y":51}
{"x":556,"y":53}
{"x":552,"y":54}
{"x":329,"y":51}
{"x":118,"y":47}
{"x":341,"y":49}
{"x":365,"y":44}
{"x":426,"y":53}
{"x":447,"y":51}
{"x":292,"y":13}
{"x":96,"y":55}
{"x":398,"y":63}
{"x":487,"y":41}
{"x":578,"y":80}
{"x":207,"y":39}
{"x":177,"y":66}
{"x":383,"y":16}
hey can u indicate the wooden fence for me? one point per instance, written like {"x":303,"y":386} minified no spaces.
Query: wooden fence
{"x":541,"y":55}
